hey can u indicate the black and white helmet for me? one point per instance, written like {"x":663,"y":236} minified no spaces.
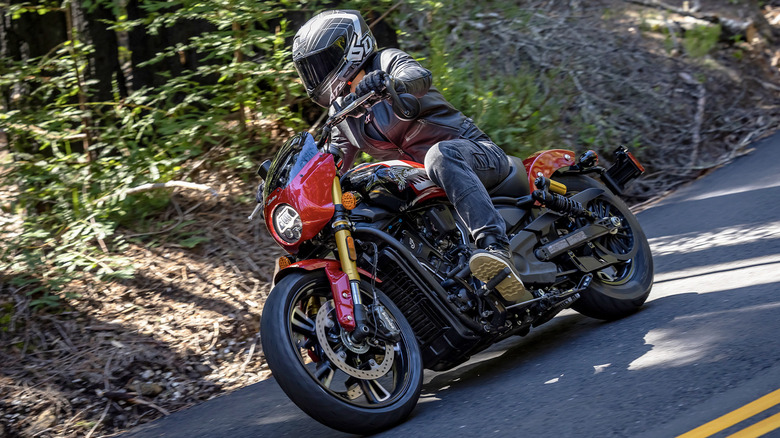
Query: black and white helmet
{"x":329,"y":51}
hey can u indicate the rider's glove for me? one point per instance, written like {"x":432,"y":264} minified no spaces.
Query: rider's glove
{"x":373,"y":81}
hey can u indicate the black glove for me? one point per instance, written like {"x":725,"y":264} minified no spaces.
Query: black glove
{"x":373,"y":81}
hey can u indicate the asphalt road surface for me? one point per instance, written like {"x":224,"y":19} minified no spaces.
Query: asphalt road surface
{"x":702,"y":357}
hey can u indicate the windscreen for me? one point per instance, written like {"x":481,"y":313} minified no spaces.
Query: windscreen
{"x":289,"y":162}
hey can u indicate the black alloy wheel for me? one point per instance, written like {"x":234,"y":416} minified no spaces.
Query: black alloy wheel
{"x":356,"y":387}
{"x":622,"y":288}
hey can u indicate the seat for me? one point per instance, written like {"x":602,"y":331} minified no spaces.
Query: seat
{"x":515,"y":184}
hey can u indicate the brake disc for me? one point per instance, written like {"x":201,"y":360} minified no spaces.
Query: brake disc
{"x":373,"y":370}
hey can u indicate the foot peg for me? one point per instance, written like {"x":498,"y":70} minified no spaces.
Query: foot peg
{"x":498,"y":278}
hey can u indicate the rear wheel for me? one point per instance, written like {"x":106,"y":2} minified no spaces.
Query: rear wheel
{"x":621,"y":289}
{"x":356,"y":387}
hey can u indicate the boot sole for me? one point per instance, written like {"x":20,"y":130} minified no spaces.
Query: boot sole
{"x":486,"y":266}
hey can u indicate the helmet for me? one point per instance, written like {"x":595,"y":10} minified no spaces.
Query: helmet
{"x":329,"y":50}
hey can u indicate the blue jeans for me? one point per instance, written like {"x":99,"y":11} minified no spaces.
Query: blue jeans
{"x":465,"y":168}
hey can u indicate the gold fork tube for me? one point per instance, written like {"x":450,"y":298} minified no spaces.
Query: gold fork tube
{"x":341,"y":224}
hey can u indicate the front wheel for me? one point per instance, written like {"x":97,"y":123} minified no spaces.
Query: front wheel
{"x":355,"y":387}
{"x":621,"y":289}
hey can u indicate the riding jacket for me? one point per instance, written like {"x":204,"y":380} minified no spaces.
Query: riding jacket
{"x":384,"y":136}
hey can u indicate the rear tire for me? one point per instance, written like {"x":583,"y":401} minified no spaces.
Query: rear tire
{"x":622,"y":290}
{"x":314,"y":377}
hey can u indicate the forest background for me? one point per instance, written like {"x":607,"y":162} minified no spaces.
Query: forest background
{"x":120,"y":302}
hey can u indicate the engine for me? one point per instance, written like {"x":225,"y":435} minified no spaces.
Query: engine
{"x":433,"y":237}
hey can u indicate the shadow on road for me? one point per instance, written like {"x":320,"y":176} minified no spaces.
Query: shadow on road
{"x":578,"y":361}
{"x":670,"y":338}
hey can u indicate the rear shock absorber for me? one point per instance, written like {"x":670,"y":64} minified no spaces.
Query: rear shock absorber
{"x":556,"y":202}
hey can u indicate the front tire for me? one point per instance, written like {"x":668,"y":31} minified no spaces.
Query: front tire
{"x":622,"y":289}
{"x":359,"y":388}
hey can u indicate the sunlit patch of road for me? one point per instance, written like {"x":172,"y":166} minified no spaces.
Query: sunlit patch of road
{"x":719,"y":277}
{"x":725,"y":236}
{"x":739,"y":188}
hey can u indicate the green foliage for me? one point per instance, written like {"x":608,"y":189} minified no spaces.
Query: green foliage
{"x":6,"y":315}
{"x":73,"y":157}
{"x":519,"y":110}
{"x":700,"y":40}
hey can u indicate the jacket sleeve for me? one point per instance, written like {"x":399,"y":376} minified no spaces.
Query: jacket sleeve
{"x":415,"y":78}
{"x":338,"y":139}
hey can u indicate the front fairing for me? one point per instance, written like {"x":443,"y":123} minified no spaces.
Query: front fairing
{"x":302,"y":177}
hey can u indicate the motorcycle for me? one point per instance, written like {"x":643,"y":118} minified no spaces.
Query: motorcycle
{"x":377,"y":287}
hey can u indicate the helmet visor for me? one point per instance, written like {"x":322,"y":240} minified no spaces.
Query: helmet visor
{"x":315,"y":68}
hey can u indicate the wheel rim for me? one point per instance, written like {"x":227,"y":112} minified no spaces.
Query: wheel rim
{"x":620,"y":242}
{"x":370,"y":374}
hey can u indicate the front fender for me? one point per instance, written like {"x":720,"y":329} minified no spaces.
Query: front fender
{"x":315,"y":264}
{"x":546,"y":163}
{"x":339,"y":284}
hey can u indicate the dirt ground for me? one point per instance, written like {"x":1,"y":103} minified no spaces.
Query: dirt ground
{"x":183,"y":330}
{"x":186,"y":327}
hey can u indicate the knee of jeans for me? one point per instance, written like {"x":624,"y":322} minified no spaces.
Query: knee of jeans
{"x":439,"y":156}
{"x":432,"y":162}
{"x":442,"y":152}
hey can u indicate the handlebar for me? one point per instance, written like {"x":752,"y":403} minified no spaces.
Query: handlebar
{"x":405,"y":106}
{"x":339,"y":117}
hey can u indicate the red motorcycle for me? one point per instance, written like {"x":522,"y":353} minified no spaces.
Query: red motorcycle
{"x":377,"y":285}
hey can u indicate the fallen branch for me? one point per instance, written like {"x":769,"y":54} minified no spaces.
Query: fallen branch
{"x":140,"y":401}
{"x":699,"y":118}
{"x":248,"y":358}
{"x":691,"y":12}
{"x":100,"y":420}
{"x":130,"y":397}
{"x":165,"y":185}
{"x":734,"y":27}
{"x":214,"y":338}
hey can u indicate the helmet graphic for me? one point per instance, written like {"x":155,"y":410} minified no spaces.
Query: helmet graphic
{"x":329,"y":50}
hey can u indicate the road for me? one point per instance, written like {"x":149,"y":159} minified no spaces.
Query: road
{"x":706,"y":344}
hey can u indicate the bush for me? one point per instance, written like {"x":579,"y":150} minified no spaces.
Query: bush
{"x":519,"y":109}
{"x":700,"y":40}
{"x":74,"y":155}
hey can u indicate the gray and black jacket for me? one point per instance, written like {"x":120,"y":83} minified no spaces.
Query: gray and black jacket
{"x":384,"y":136}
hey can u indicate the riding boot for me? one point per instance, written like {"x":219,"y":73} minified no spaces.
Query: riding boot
{"x":493,"y":259}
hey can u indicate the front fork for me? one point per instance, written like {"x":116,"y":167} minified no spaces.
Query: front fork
{"x":348,"y":258}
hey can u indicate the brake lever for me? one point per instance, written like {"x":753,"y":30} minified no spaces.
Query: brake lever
{"x":356,"y":103}
{"x":342,"y":114}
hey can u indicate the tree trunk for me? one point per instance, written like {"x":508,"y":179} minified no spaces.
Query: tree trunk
{"x":93,"y":28}
{"x":144,"y":47}
{"x":31,"y":35}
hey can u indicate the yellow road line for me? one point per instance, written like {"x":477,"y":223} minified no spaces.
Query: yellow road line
{"x":762,"y":427}
{"x":736,"y":416}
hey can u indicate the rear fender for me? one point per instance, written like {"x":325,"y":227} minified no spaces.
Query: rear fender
{"x":339,"y":284}
{"x":546,"y":163}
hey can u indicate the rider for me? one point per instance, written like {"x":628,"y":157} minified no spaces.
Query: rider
{"x":335,"y":53}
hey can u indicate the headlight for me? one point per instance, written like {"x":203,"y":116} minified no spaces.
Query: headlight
{"x":287,"y":223}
